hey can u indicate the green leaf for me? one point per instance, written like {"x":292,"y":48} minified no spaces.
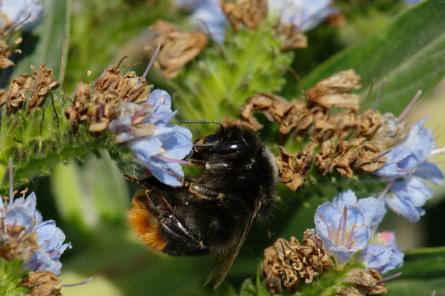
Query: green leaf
{"x":84,"y":196}
{"x":52,"y":39}
{"x":11,"y":275}
{"x":409,"y":54}
{"x":422,"y":273}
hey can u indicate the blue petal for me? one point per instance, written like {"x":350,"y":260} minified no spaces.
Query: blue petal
{"x":420,"y":141}
{"x":430,"y":171}
{"x":177,"y":143}
{"x":327,"y":220}
{"x":406,"y":197}
{"x":373,"y":210}
{"x":345,"y":198}
{"x":145,"y":148}
{"x":169,"y":173}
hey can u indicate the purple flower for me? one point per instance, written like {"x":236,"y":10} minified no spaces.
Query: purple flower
{"x":383,"y":253}
{"x":407,"y":168}
{"x":346,"y":225}
{"x":50,"y":239}
{"x":17,"y":11}
{"x":162,"y":152}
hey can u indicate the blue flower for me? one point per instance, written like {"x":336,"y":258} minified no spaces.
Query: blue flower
{"x":50,"y":239}
{"x":303,"y":14}
{"x":17,"y":11}
{"x":382,"y":253}
{"x":405,"y":158}
{"x":161,"y":104}
{"x":407,"y":168}
{"x":407,"y":196}
{"x":346,"y":225}
{"x":162,"y":152}
{"x":157,"y":145}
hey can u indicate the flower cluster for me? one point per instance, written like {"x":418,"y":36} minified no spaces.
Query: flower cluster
{"x":407,"y":169}
{"x":27,"y":237}
{"x":301,"y":14}
{"x":158,"y":145}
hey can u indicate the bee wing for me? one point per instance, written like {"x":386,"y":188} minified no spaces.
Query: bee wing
{"x":225,"y":260}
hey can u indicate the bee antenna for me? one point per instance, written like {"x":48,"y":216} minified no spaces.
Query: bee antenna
{"x":202,"y":121}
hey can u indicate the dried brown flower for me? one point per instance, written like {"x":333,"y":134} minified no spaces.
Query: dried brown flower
{"x":364,"y":282}
{"x":287,"y":264}
{"x":16,"y":243}
{"x":335,"y":91}
{"x":176,"y":48}
{"x":42,"y":283}
{"x":345,"y":141}
{"x":294,"y":168}
{"x":33,"y":89}
{"x":5,"y":53}
{"x":100,"y":105}
{"x":247,"y":13}
{"x":291,"y":36}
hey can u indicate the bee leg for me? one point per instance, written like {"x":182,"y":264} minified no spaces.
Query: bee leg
{"x":203,"y":192}
{"x":180,"y":241}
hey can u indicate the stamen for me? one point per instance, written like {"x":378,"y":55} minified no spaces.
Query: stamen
{"x":379,"y":94}
{"x":438,"y":151}
{"x":11,"y":180}
{"x":18,"y":25}
{"x":390,"y":277}
{"x":81,"y":283}
{"x":343,"y":231}
{"x":410,"y":106}
{"x":385,"y":190}
{"x":154,"y":57}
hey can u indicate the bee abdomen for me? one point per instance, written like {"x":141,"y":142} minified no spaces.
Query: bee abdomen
{"x":146,"y":226}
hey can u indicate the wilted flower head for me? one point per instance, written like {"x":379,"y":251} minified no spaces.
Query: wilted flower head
{"x":382,"y":253}
{"x":28,"y":12}
{"x":21,"y":213}
{"x":346,"y":225}
{"x":407,"y":167}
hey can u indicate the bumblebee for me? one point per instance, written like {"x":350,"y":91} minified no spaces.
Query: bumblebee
{"x":212,"y":213}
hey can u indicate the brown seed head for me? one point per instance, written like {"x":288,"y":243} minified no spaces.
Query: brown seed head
{"x":33,"y":89}
{"x":365,"y":282}
{"x":245,"y":13}
{"x":17,"y":244}
{"x":287,"y":264}
{"x":42,"y":283}
{"x":176,"y":48}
